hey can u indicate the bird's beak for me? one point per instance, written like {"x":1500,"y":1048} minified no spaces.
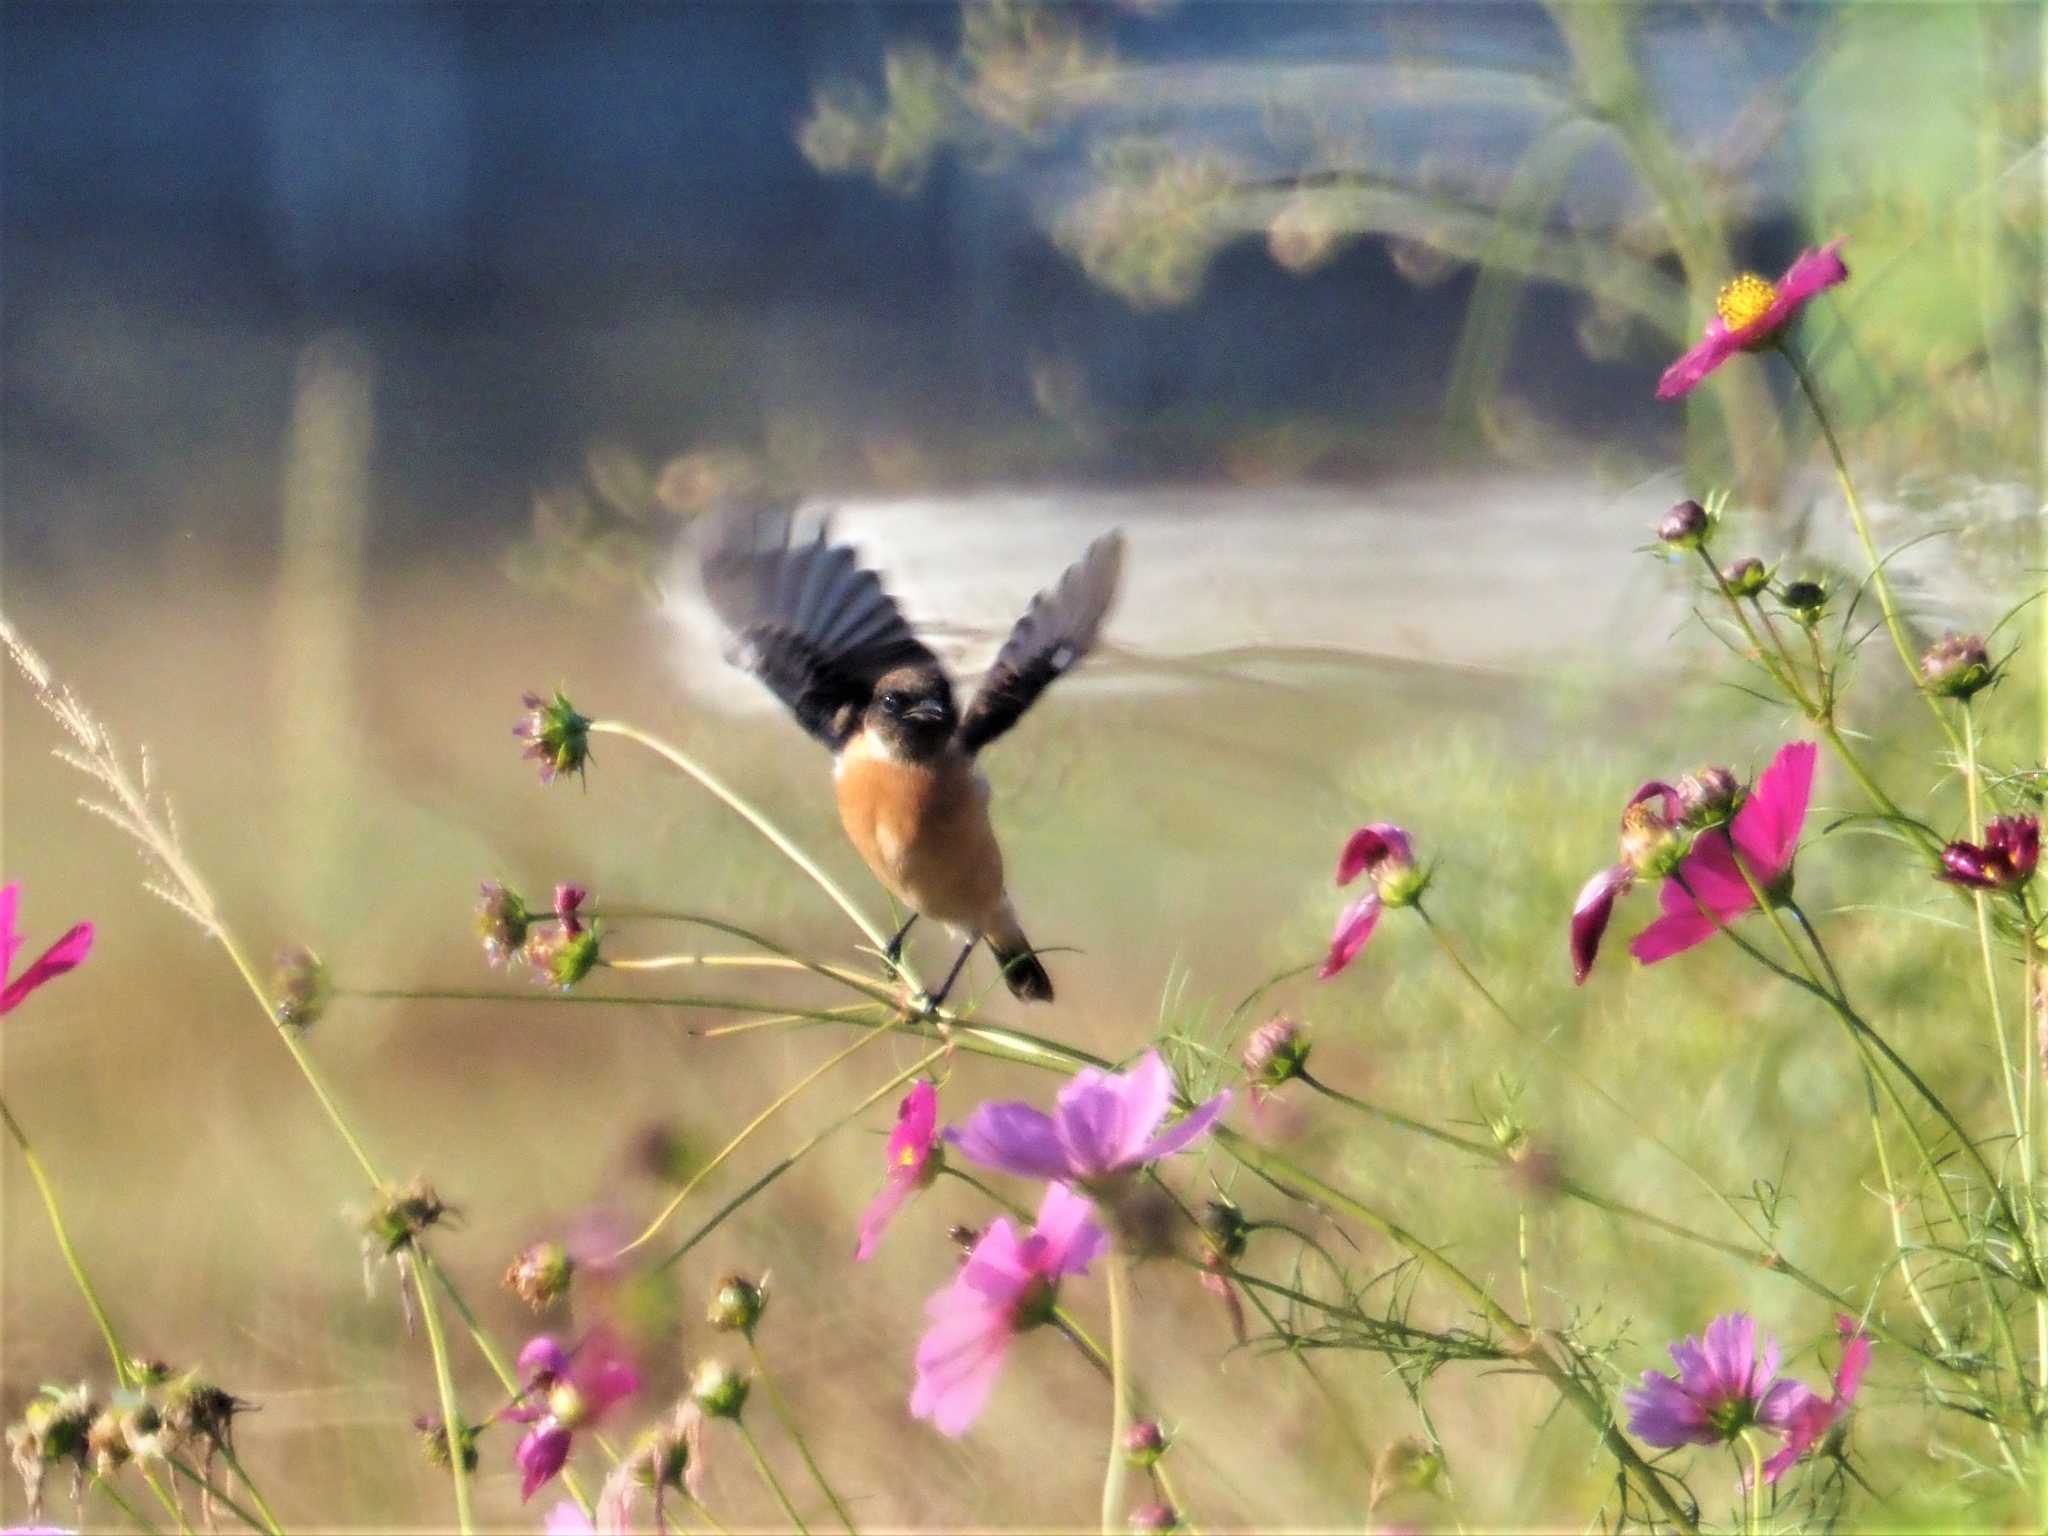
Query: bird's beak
{"x":926,"y":712}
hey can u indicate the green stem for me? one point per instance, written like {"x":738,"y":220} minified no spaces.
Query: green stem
{"x":1781,"y":669}
{"x":1116,"y":1279}
{"x":1527,"y":1345}
{"x":451,"y":1416}
{"x":214,"y":1491}
{"x":788,"y":1421}
{"x":1755,"y":1502}
{"x":119,"y":1501}
{"x":768,"y":1476}
{"x":234,"y":1462}
{"x":1982,"y":903}
{"x":77,"y":1266}
{"x":1878,"y":579}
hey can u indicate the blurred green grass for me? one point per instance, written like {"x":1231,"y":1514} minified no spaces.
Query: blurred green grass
{"x":1180,"y":838}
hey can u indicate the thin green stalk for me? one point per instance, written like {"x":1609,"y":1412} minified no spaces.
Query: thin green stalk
{"x":675,"y":1203}
{"x":1116,"y":1280}
{"x":235,"y":1466}
{"x":1878,"y":579}
{"x":780,"y":1407}
{"x":1982,"y":903}
{"x":768,"y":1476}
{"x":451,"y":1414}
{"x":1780,"y":669}
{"x":78,"y":1275}
{"x":119,"y":1501}
{"x":1528,"y":1345}
{"x":215,"y":1492}
{"x":1754,"y":1503}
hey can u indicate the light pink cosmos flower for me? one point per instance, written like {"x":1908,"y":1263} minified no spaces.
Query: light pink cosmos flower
{"x":52,"y":962}
{"x":1817,"y":1415}
{"x":913,"y":1163}
{"x":1101,"y":1124}
{"x":1750,"y":313}
{"x":1765,"y":833}
{"x":1007,"y":1285}
{"x":1722,"y":1387}
{"x":565,"y":1391}
{"x":1383,"y":851}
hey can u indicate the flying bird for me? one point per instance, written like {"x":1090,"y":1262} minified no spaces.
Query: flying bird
{"x":819,"y":629}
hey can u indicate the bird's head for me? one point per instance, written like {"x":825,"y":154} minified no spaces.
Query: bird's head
{"x":911,"y":712}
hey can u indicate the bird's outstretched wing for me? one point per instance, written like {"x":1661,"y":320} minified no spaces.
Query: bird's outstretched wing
{"x":1057,"y":630}
{"x":804,"y":617}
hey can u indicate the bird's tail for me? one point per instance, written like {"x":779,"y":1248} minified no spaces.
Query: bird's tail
{"x":1022,"y":972}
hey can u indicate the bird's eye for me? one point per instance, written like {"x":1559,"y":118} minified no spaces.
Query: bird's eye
{"x":892,"y":703}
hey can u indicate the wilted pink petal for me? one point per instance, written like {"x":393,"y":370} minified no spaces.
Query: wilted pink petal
{"x":1590,"y":914}
{"x":541,"y":1452}
{"x":60,"y":957}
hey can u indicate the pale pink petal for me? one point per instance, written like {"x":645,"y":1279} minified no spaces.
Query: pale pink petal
{"x":880,"y":1211}
{"x":1714,"y":348}
{"x":53,"y":962}
{"x":1767,"y":827}
{"x":1104,"y":1118}
{"x":958,"y":1359}
{"x":1354,"y":926}
{"x":999,"y":1267}
{"x":566,"y":1519}
{"x":1073,"y":1238}
{"x":1590,"y":914}
{"x":1781,"y":1406}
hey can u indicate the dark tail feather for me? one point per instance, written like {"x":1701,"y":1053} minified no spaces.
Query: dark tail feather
{"x":1026,"y":978}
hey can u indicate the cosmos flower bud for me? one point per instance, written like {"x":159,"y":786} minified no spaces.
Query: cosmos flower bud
{"x":1144,"y":1442}
{"x":540,"y":1276}
{"x":1685,"y":527}
{"x":719,"y":1390}
{"x":556,"y":736}
{"x":1957,"y":666}
{"x":1708,"y":798}
{"x":1155,"y":1516}
{"x":1806,"y":601}
{"x":1746,"y":577}
{"x":1226,"y":1229}
{"x":1276,"y":1053}
{"x":301,"y":987}
{"x":1409,"y":1462}
{"x":433,"y":1433}
{"x":501,"y":921}
{"x":737,"y":1305}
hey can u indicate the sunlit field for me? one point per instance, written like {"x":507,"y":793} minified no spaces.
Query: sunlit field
{"x":1554,"y":859}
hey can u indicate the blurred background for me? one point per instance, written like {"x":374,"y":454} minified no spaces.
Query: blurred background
{"x":366,"y":365}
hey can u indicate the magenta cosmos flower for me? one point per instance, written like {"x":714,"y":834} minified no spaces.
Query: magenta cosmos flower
{"x":1008,"y":1284}
{"x":1382,"y":851}
{"x":1750,"y":313}
{"x":52,"y":962}
{"x":2004,"y":861}
{"x":913,"y":1163}
{"x":566,"y":1391}
{"x":1654,"y":830}
{"x":1817,"y":1415}
{"x":1101,"y":1124}
{"x":1722,"y":1387}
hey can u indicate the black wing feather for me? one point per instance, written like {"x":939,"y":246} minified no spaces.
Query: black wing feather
{"x":805,"y":617}
{"x":1057,"y":630}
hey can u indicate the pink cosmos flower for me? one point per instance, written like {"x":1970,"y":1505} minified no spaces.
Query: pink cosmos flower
{"x":1765,"y":833}
{"x":1383,"y":851}
{"x":1750,"y":313}
{"x":913,"y":1163}
{"x":2004,"y":861}
{"x":565,"y":1391}
{"x":52,"y":962}
{"x":1722,"y":1388}
{"x":1102,"y":1123}
{"x":1817,"y":1415}
{"x":1649,"y":836}
{"x":1007,"y":1285}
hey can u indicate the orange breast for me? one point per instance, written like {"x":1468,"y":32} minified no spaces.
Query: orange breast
{"x":923,"y":828}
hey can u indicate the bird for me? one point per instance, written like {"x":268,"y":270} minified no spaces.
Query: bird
{"x":819,"y":629}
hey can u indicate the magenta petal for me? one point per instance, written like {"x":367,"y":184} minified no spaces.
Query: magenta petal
{"x":1354,"y":926}
{"x":1811,"y":273}
{"x":1767,"y":827}
{"x":1590,"y":914}
{"x":10,"y":940}
{"x":879,"y":1213}
{"x":1713,"y":349}
{"x":53,"y":962}
{"x":1014,"y":1137}
{"x":1784,"y":1402}
{"x":1368,"y":846}
{"x":540,"y":1455}
{"x":1711,"y":878}
{"x":1073,"y":1237}
{"x":1671,"y":934}
{"x":1185,"y":1130}
{"x":542,"y":1356}
{"x":1855,"y":1361}
{"x":917,"y":1117}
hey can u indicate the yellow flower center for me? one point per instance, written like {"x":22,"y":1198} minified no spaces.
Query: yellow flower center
{"x":907,"y":1158}
{"x":1744,"y":300}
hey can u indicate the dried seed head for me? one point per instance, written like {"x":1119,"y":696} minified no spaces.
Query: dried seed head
{"x":402,"y":1214}
{"x":302,"y":988}
{"x":540,"y":1276}
{"x":501,"y":921}
{"x":433,"y":1432}
{"x":1227,"y":1229}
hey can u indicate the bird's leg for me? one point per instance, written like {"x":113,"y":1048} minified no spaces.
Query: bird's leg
{"x":894,"y":951}
{"x":932,"y":1003}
